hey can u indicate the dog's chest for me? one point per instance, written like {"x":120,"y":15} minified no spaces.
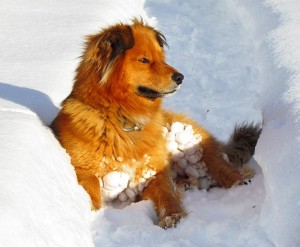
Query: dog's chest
{"x":130,"y":163}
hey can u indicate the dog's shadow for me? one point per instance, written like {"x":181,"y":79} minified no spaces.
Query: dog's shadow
{"x":36,"y":101}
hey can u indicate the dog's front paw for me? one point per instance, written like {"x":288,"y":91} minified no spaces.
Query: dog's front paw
{"x":170,"y":220}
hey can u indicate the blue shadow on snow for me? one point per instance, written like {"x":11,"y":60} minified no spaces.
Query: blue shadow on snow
{"x":36,"y":101}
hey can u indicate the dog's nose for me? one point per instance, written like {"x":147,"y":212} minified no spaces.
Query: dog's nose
{"x":177,"y":77}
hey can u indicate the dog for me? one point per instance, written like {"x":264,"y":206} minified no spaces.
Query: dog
{"x":111,"y":123}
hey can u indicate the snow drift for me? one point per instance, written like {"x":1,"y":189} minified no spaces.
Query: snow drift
{"x":278,"y":148}
{"x":41,"y":202}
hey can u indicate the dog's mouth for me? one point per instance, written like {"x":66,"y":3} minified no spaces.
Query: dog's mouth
{"x":153,"y":94}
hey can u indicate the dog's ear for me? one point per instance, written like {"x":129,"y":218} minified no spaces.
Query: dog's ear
{"x":103,"y":48}
{"x":161,"y":39}
{"x":109,"y":43}
{"x":115,"y":40}
{"x":120,"y":39}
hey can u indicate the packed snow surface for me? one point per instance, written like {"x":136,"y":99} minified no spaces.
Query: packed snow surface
{"x":241,"y":61}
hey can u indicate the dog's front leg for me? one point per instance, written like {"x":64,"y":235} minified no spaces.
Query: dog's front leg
{"x":166,"y":201}
{"x":92,"y":186}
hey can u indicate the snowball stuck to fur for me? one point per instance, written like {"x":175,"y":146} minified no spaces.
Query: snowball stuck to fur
{"x":113,"y":184}
{"x":183,"y":137}
{"x":186,"y":152}
{"x":193,"y":159}
{"x":192,"y":172}
{"x":177,"y":127}
{"x":131,"y":194}
{"x":120,"y":186}
{"x":123,"y":197}
{"x":115,"y":179}
{"x":182,"y":163}
{"x":172,"y":146}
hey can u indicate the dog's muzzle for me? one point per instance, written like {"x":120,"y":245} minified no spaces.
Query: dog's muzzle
{"x":150,"y":93}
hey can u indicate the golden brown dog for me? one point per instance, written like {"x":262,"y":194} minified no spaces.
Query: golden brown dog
{"x":112,"y":120}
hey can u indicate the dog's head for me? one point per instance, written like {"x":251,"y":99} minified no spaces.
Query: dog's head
{"x":129,"y":61}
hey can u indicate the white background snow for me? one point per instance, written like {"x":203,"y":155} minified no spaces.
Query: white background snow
{"x":241,"y":61}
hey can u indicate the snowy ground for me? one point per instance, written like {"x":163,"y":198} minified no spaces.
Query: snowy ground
{"x":241,"y":61}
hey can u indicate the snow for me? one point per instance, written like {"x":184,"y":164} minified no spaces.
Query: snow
{"x":280,"y":159}
{"x":241,"y":62}
{"x":38,"y":188}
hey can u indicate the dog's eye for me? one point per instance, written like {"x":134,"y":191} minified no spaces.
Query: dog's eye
{"x":144,"y":60}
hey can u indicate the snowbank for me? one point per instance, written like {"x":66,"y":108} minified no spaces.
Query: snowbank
{"x":278,"y":148}
{"x":41,"y":201}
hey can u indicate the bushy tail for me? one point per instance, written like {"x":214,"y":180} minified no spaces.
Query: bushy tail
{"x":241,"y":145}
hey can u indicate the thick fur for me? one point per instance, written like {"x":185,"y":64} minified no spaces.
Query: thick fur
{"x":119,"y":86}
{"x":241,"y":145}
